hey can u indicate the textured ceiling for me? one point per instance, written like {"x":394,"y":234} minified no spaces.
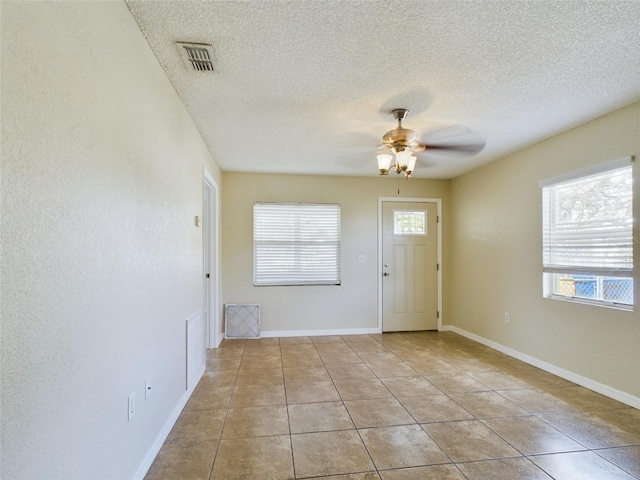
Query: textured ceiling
{"x":306,"y":86}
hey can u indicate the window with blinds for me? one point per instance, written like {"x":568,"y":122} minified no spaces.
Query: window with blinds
{"x":587,"y":234}
{"x":296,"y":244}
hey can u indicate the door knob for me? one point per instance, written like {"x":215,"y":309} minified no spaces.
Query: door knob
{"x":386,"y":274}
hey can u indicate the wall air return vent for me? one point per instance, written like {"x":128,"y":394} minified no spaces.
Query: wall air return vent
{"x":197,"y":56}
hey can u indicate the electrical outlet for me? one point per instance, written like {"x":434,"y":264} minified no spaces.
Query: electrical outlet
{"x":147,"y":389}
{"x":362,"y":258}
{"x":132,"y":406}
{"x":507,"y":317}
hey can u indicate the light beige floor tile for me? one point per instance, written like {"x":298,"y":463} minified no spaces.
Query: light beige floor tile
{"x":627,"y":419}
{"x":538,"y":401}
{"x":479,"y":443}
{"x":262,"y":387}
{"x":627,"y":458}
{"x":531,"y":436}
{"x":305,"y":374}
{"x":503,"y":469}
{"x":329,"y":453}
{"x":311,"y":392}
{"x":263,"y":361}
{"x":579,"y":465}
{"x":594,"y":432}
{"x":543,"y":380}
{"x":380,"y":357}
{"x":308,"y":360}
{"x":212,"y":398}
{"x":327,"y":339}
{"x":433,"y":472}
{"x":339,"y":358}
{"x":257,"y":395}
{"x":584,"y":399}
{"x":456,"y":383}
{"x":256,"y":422}
{"x":218,"y":378}
{"x":361,"y":388}
{"x":434,"y":408}
{"x":261,"y":351}
{"x":298,"y":349}
{"x":183,"y":461}
{"x":350,"y":476}
{"x":197,"y":426}
{"x":388,"y":369}
{"x":235,"y":351}
{"x":260,"y":376}
{"x":487,"y":405}
{"x":359,"y":339}
{"x":401,"y":447}
{"x":368,"y":347}
{"x":378,"y":412}
{"x":223,"y":363}
{"x":470,"y":365}
{"x":432,"y":367}
{"x":498,"y":380}
{"x":410,"y":386}
{"x":262,"y":342}
{"x":350,"y":371}
{"x":333,"y":349}
{"x":294,"y":340}
{"x":253,"y":458}
{"x":319,"y":417}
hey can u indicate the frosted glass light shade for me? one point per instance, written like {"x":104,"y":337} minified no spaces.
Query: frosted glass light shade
{"x":384,"y":163}
{"x":402,"y":159}
{"x":412,"y":164}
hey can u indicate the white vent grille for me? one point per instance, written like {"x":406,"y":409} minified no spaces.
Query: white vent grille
{"x":242,"y":320}
{"x":197,"y":56}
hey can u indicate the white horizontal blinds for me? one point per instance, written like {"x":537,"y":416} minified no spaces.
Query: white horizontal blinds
{"x":587,"y":224}
{"x":296,"y":244}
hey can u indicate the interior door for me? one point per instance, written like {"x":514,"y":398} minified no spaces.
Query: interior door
{"x":410,"y":269}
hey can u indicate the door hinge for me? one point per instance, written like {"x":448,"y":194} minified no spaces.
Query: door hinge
{"x":437,"y":267}
{"x":438,"y":314}
{"x":437,"y":218}
{"x":207,"y":276}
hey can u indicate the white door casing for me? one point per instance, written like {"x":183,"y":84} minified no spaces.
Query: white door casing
{"x":210,"y":232}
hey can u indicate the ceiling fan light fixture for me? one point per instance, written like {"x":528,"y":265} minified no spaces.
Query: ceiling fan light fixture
{"x":403,"y":158}
{"x":384,"y":163}
{"x":412,"y":164}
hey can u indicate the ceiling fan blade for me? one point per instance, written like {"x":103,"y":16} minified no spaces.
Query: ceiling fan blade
{"x":456,"y":141}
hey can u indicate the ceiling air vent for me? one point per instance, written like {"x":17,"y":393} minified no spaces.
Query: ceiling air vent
{"x":197,"y":56}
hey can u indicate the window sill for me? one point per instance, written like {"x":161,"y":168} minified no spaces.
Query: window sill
{"x":594,"y":303}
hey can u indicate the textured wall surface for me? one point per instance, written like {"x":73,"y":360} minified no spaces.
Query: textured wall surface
{"x":497,"y":258}
{"x":354,"y":304}
{"x":102,"y":174}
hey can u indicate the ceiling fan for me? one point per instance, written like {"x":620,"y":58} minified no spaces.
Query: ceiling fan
{"x":403,"y":145}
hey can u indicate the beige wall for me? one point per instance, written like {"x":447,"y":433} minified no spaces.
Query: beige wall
{"x":102,"y":172}
{"x":497,"y":261}
{"x":354,"y":304}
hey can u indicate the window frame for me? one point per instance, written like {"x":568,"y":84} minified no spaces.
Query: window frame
{"x":296,"y":243}
{"x":599,"y":275}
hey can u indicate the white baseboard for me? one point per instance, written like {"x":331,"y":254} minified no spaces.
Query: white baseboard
{"x":318,"y":333}
{"x":164,"y":433}
{"x":606,"y":390}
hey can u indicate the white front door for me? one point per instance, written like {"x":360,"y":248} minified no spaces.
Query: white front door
{"x":409,"y":266}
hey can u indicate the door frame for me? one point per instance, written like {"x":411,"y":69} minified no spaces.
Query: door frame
{"x":438,"y":202}
{"x":212,"y":323}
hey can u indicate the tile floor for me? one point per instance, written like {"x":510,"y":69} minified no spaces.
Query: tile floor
{"x":400,"y":406}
